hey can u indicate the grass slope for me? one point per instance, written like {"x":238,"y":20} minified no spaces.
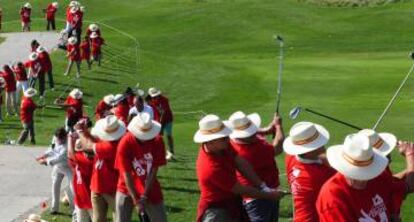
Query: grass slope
{"x":219,"y":56}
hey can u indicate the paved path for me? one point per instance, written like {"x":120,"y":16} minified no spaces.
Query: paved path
{"x":16,"y":47}
{"x":24,"y":183}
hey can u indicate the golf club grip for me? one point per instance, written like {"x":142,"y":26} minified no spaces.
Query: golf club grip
{"x":333,"y":119}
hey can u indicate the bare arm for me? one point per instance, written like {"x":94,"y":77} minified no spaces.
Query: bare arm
{"x":247,"y":171}
{"x":279,"y":136}
{"x":257,"y":194}
{"x":150,"y":180}
{"x":407,"y":150}
{"x":131,"y":188}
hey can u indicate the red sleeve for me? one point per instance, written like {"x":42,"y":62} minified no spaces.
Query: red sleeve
{"x":103,"y":149}
{"x":123,"y":161}
{"x":159,"y":153}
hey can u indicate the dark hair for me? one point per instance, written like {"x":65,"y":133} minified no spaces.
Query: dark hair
{"x":129,"y":91}
{"x":7,"y":68}
{"x":61,"y":133}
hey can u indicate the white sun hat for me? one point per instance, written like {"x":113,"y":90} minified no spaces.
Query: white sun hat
{"x":109,"y":128}
{"x":108,"y":99}
{"x":356,"y":159}
{"x":82,"y":8}
{"x":383,"y":142}
{"x":27,"y":5}
{"x":40,"y":49}
{"x":305,"y":137}
{"x":210,"y":128}
{"x":74,"y":9}
{"x":243,"y":125}
{"x":33,"y":56}
{"x":93,"y":27}
{"x":73,"y":3}
{"x":34,"y":218}
{"x":72,"y":40}
{"x":153,"y":92}
{"x":140,"y":92}
{"x":143,"y":127}
{"x":76,"y":93}
{"x":55,"y":4}
{"x":94,"y":35}
{"x":30,"y":92}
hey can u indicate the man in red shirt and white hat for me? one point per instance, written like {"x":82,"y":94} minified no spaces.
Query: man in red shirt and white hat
{"x":50,"y":15}
{"x":164,"y":115}
{"x":92,"y":28}
{"x":216,"y":172}
{"x":25,"y":13}
{"x":2,"y":85}
{"x":35,"y":69}
{"x":140,"y":153}
{"x":74,"y":108}
{"x":104,"y":107}
{"x":96,"y":44}
{"x":306,"y":169}
{"x":358,"y":192}
{"x":11,"y":96}
{"x":46,"y":64}
{"x":261,"y":155}
{"x":75,"y":20}
{"x":102,"y":141}
{"x":27,"y":109}
{"x":74,"y":56}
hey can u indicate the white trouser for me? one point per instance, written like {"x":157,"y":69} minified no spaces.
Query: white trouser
{"x":58,"y":172}
{"x":21,"y":86}
{"x":11,"y":103}
{"x":83,"y":215}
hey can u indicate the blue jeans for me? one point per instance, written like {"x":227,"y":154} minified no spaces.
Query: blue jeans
{"x":262,"y":210}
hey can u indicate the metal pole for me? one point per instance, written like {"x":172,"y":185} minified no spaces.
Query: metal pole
{"x":279,"y":84}
{"x":333,"y":119}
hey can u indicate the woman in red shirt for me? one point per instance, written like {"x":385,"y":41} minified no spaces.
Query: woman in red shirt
{"x":11,"y":96}
{"x":74,"y":56}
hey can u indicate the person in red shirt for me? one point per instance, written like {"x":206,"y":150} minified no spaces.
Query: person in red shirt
{"x":74,"y":56}
{"x":27,"y":109}
{"x":35,"y":71}
{"x":164,"y":115}
{"x":46,"y":64}
{"x":261,"y":155}
{"x":358,"y":192}
{"x":1,"y":17}
{"x":140,"y":153}
{"x":104,"y":107}
{"x":121,"y":109}
{"x":25,"y":13}
{"x":21,"y":78}
{"x":50,"y":15}
{"x":86,"y":51}
{"x":74,"y":108}
{"x":2,"y":85}
{"x":82,"y":166}
{"x":93,"y":28}
{"x":75,"y":20}
{"x":96,"y":45}
{"x":305,"y":169}
{"x":216,"y":172}
{"x":103,"y":141}
{"x":11,"y":96}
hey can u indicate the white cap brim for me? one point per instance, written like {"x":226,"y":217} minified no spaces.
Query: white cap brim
{"x":292,"y":149}
{"x":98,"y":131}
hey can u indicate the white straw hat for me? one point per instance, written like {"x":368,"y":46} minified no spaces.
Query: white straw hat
{"x":27,"y":5}
{"x":72,"y":40}
{"x":55,"y":4}
{"x":143,"y":127}
{"x":140,"y":92}
{"x":94,"y":35}
{"x":109,"y":128}
{"x":153,"y":92}
{"x":356,"y":159}
{"x":108,"y":99}
{"x":33,"y":56}
{"x":30,"y":92}
{"x":76,"y":93}
{"x":40,"y":49}
{"x":210,"y":128}
{"x":243,"y":126}
{"x":382,"y":142}
{"x":93,"y":27}
{"x":305,"y":137}
{"x":34,"y":218}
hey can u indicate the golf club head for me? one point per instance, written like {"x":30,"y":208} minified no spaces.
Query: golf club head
{"x":412,"y":55}
{"x":294,"y":113}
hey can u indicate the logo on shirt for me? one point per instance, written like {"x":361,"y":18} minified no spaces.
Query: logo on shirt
{"x":143,"y":165}
{"x":294,"y":185}
{"x":99,"y":164}
{"x":378,"y":210}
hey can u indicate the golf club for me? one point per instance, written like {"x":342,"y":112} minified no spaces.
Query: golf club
{"x":294,"y":113}
{"x":279,"y":39}
{"x":395,"y":94}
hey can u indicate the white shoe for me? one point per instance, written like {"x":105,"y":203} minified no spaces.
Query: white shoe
{"x":169,"y":156}
{"x":77,"y":75}
{"x":65,"y":74}
{"x":53,"y":89}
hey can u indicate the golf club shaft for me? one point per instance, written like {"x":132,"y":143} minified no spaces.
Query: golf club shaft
{"x":393,"y":98}
{"x":279,"y":84}
{"x":333,"y":119}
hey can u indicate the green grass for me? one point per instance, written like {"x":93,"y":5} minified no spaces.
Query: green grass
{"x":219,"y":56}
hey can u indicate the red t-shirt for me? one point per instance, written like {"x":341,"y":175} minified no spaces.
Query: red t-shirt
{"x":45,"y":62}
{"x":96,"y":44}
{"x":161,"y":106}
{"x":27,"y":108}
{"x":122,"y":111}
{"x":104,"y":175}
{"x":216,"y":177}
{"x":101,"y":109}
{"x":305,"y":180}
{"x":21,"y":74}
{"x":35,"y":66}
{"x":50,"y":12}
{"x":86,"y":50}
{"x":74,"y":52}
{"x":25,"y":15}
{"x":10,"y":80}
{"x":75,"y":19}
{"x":139,"y":158}
{"x":82,"y":172}
{"x":340,"y":202}
{"x":75,"y":109}
{"x":261,"y":156}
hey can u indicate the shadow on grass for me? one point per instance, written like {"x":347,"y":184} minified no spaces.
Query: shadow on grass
{"x":100,"y":80}
{"x":174,"y":210}
{"x":179,"y":189}
{"x":10,"y":126}
{"x":177,"y":178}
